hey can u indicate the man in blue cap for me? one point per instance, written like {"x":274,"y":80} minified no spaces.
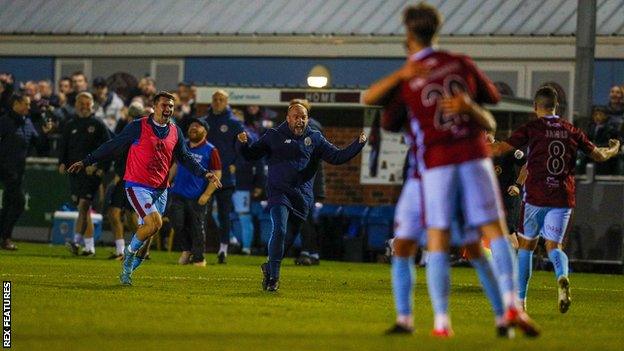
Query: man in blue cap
{"x":190,"y":195}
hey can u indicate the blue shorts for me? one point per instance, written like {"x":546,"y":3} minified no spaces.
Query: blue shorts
{"x":550,"y":222}
{"x":241,"y":199}
{"x":409,"y":218}
{"x":146,"y":201}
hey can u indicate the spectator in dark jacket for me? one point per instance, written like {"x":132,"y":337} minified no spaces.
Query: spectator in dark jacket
{"x":310,"y":237}
{"x":185,"y":109}
{"x":6,"y":91}
{"x":80,"y":83}
{"x":250,"y":182}
{"x":81,"y":136}
{"x":293,"y":150}
{"x":599,"y":132}
{"x":222,"y":134}
{"x":17,"y":134}
{"x":615,"y":108}
{"x":259,"y":118}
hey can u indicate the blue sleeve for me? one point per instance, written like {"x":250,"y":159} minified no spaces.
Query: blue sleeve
{"x":257,"y":150}
{"x":127,"y":136}
{"x":329,"y":153}
{"x":183,"y":155}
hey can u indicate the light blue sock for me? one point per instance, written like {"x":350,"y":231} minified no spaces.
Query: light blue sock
{"x":247,"y":230}
{"x":560,"y":262}
{"x":137,"y":262}
{"x":504,"y":268}
{"x":525,"y":269}
{"x":489,"y":284}
{"x":135,"y":243}
{"x":403,"y":278}
{"x":438,"y":281}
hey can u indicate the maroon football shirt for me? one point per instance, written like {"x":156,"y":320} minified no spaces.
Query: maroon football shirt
{"x":443,"y":140}
{"x":552,"y":143}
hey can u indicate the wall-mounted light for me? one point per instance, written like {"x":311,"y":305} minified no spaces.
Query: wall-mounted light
{"x":319,"y":77}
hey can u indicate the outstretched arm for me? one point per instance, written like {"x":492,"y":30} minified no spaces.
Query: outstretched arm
{"x":215,"y":167}
{"x":256,"y":150}
{"x":130,"y":133}
{"x":500,"y":148}
{"x":601,"y":154}
{"x":380,"y":90}
{"x":329,"y":153}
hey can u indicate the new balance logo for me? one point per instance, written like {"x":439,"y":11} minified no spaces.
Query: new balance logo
{"x":287,"y":141}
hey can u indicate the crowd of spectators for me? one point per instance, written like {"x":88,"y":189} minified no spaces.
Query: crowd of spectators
{"x":608,"y":123}
{"x":51,"y":111}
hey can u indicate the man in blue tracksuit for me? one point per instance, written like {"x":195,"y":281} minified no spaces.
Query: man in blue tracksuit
{"x":222,"y":134}
{"x":293,"y":152}
{"x":250,"y":183}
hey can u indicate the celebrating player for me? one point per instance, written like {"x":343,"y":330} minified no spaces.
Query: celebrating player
{"x":293,"y":151}
{"x":447,"y":121}
{"x":410,"y":233}
{"x":552,"y":143}
{"x":154,"y":142}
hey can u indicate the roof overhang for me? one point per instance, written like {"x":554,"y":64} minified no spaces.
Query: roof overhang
{"x":479,"y":47}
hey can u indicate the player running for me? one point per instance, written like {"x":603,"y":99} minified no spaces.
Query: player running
{"x":153,"y":143}
{"x":550,"y":196}
{"x":447,"y":122}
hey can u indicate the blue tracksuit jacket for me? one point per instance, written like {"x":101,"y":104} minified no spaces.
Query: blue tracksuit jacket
{"x":293,"y":162}
{"x":224,"y":128}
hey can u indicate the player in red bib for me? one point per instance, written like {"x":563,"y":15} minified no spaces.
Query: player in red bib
{"x":552,"y":144}
{"x":153,"y":143}
{"x":457,"y":173}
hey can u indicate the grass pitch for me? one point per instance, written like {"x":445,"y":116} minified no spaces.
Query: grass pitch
{"x":61,"y":302}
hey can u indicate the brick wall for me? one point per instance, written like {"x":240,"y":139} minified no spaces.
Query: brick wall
{"x":342,"y":183}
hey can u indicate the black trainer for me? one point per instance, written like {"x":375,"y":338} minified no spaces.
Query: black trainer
{"x":265,"y":275}
{"x":73,"y":248}
{"x":221,"y":258}
{"x":272,"y":285}
{"x":87,"y":254}
{"x":398,"y":329}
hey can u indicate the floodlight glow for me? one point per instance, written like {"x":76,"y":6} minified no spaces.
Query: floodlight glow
{"x":317,"y":82}
{"x":318,"y":77}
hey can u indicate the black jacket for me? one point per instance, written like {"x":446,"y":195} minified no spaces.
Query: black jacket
{"x":80,"y":137}
{"x":17,"y":135}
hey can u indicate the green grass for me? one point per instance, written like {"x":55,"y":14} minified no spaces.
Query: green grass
{"x":68,"y":303}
